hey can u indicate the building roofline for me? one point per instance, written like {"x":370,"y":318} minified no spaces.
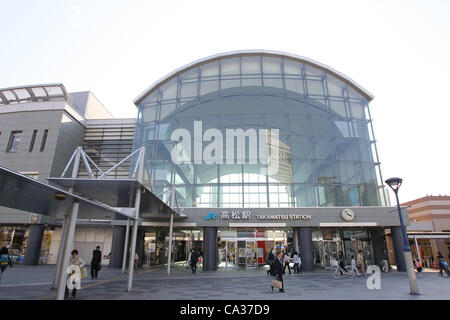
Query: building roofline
{"x":366,"y":94}
{"x":426,"y":198}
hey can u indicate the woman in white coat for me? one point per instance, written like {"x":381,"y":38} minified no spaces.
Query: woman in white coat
{"x":74,"y":274}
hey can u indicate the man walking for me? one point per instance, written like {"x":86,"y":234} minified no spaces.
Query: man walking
{"x":360,"y":262}
{"x":384,"y":261}
{"x":193,"y":259}
{"x":96,"y":262}
{"x":278,"y":268}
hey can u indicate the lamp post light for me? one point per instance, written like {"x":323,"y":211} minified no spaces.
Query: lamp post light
{"x":394,"y":184}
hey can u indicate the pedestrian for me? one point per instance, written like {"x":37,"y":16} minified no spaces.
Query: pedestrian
{"x":278,"y":269}
{"x":418,"y":266}
{"x":286,"y":261}
{"x":136,"y":262}
{"x":341,"y":262}
{"x":96,"y":262}
{"x":384,"y":261}
{"x":193,"y":258}
{"x":443,"y":265}
{"x":270,"y":260}
{"x":76,"y":266}
{"x":297,"y":262}
{"x":360,"y":262}
{"x":354,"y":268}
{"x":5,"y":261}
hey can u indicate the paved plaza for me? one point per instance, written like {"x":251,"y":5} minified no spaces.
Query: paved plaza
{"x":34,"y":282}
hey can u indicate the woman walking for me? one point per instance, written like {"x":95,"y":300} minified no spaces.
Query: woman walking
{"x":75,"y":268}
{"x":4,"y":258}
{"x":297,"y":262}
{"x":286,"y":261}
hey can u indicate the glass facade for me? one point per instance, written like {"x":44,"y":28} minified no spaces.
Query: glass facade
{"x":327,"y":153}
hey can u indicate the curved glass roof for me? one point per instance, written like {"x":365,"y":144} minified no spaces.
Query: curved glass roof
{"x":33,"y":93}
{"x":248,"y":62}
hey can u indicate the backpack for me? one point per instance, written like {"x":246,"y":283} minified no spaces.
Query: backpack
{"x":4,"y":259}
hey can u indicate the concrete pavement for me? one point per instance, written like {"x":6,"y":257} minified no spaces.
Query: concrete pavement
{"x":34,"y":282}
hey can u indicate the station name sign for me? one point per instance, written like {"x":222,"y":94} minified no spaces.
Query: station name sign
{"x":248,"y":215}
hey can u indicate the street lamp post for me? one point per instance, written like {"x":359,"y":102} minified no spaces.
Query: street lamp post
{"x":394,"y":184}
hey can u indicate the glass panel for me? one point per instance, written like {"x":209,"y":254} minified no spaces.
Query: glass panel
{"x":188,"y":90}
{"x":22,"y":94}
{"x":291,"y":67}
{"x":315,"y":87}
{"x":334,"y":86}
{"x":169,"y":90}
{"x":341,"y":129}
{"x":320,"y":127}
{"x":338,"y":107}
{"x":303,"y":171}
{"x":251,"y":65}
{"x":39,"y":92}
{"x":313,"y":72}
{"x":271,"y":65}
{"x":357,"y":110}
{"x":230,"y":66}
{"x":273,"y":82}
{"x":295,"y":84}
{"x":209,"y":86}
{"x":167,"y":110}
{"x":210,"y":69}
{"x":149,"y":114}
{"x":9,"y":95}
{"x":323,"y":149}
{"x":54,"y":91}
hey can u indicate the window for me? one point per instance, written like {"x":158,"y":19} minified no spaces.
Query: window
{"x":14,"y":141}
{"x":33,"y":139}
{"x":44,"y":140}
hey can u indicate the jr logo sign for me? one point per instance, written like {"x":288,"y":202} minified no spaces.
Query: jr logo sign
{"x":211,"y":216}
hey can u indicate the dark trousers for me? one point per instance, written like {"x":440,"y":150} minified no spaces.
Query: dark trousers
{"x":95,"y":267}
{"x":280,"y":278}
{"x":66,"y":292}
{"x":296,"y":268}
{"x":194,"y":268}
{"x":443,"y":268}
{"x":287,"y":265}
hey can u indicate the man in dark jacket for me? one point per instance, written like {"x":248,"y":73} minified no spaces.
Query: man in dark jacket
{"x":95,"y":262}
{"x":193,"y":261}
{"x":270,"y":260}
{"x":278,"y":269}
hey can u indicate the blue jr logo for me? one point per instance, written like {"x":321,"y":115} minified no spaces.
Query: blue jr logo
{"x":211,"y":216}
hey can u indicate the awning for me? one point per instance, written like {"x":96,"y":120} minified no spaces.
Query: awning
{"x":20,"y":192}
{"x":117,"y":193}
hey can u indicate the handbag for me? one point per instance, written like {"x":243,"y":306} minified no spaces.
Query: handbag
{"x":277,"y":284}
{"x":83,"y":273}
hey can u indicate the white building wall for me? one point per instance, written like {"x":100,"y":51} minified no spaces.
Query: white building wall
{"x":86,"y":239}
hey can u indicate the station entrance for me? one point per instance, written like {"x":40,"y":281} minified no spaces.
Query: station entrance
{"x":249,"y":248}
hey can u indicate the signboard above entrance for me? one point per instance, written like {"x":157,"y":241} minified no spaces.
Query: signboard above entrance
{"x":292,"y":217}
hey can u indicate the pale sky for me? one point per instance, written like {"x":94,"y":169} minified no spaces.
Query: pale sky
{"x":398,"y":50}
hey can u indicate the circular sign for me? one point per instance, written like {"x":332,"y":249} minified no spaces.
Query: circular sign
{"x":348,"y":214}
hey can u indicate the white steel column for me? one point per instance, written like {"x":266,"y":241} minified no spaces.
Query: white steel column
{"x":68,"y":244}
{"x":64,"y":232}
{"x":172,"y":205}
{"x":137,"y":204}
{"x":62,"y":240}
{"x":417,"y":248}
{"x":125,"y":248}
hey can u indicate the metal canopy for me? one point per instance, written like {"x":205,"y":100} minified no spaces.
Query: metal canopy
{"x":117,"y":193}
{"x":18,"y":191}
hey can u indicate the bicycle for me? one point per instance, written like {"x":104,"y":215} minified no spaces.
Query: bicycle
{"x":337,"y":271}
